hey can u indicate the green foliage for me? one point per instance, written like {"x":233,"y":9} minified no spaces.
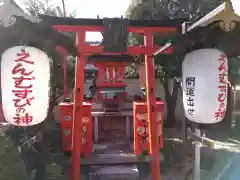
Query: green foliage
{"x":233,"y":66}
{"x":11,"y":163}
{"x":41,"y":165}
{"x":35,"y":7}
{"x":167,"y":9}
{"x":169,"y":65}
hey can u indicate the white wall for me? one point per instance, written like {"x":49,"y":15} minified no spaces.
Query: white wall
{"x":133,"y":87}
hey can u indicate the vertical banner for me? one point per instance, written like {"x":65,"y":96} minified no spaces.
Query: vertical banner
{"x":141,"y":126}
{"x":87,"y":129}
{"x":25,"y":83}
{"x":67,"y":124}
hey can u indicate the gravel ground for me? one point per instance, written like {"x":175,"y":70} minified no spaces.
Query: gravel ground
{"x":15,"y":164}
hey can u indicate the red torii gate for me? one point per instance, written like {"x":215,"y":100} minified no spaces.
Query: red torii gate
{"x":145,"y":27}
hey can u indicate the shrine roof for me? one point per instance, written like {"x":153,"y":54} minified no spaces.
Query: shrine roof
{"x":22,"y":31}
{"x":211,"y":36}
{"x":52,"y":20}
{"x":219,"y":29}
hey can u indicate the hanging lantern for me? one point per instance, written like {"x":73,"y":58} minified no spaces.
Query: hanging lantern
{"x":25,"y":78}
{"x":205,"y":78}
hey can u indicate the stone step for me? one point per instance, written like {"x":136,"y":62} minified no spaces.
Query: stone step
{"x":114,"y":159}
{"x":109,"y":147}
{"x":117,"y":172}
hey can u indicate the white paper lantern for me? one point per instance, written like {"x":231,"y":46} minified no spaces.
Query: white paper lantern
{"x":205,"y":77}
{"x":25,"y":78}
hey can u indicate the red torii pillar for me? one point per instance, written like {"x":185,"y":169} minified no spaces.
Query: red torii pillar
{"x":151,"y":105}
{"x":78,"y":103}
{"x":151,"y":102}
{"x":148,"y":49}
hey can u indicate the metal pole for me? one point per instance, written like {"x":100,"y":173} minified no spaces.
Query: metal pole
{"x":197,"y":161}
{"x":65,"y":64}
{"x":235,"y":109}
{"x":64,"y":8}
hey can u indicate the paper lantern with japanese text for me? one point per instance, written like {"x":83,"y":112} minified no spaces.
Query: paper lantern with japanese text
{"x":25,"y":78}
{"x":205,"y":77}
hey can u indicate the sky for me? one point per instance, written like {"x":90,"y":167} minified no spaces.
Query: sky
{"x":90,"y":9}
{"x":103,"y":8}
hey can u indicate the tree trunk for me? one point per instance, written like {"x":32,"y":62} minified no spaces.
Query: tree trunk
{"x":41,"y":145}
{"x":171,"y":101}
{"x":41,"y":158}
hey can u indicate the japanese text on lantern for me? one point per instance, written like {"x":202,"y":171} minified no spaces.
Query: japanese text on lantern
{"x":23,"y":79}
{"x":190,"y":93}
{"x":222,"y":94}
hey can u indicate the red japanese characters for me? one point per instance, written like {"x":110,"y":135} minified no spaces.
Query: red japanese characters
{"x":25,"y":76}
{"x":222,"y":94}
{"x":23,"y":88}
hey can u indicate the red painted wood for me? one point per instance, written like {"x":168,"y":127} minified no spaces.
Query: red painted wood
{"x":77,"y":109}
{"x":132,"y":50}
{"x":67,"y":124}
{"x":140,"y":30}
{"x":148,"y":49}
{"x":140,"y":110}
{"x":151,"y":107}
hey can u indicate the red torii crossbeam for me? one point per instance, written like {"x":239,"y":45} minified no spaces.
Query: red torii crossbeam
{"x":145,"y":27}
